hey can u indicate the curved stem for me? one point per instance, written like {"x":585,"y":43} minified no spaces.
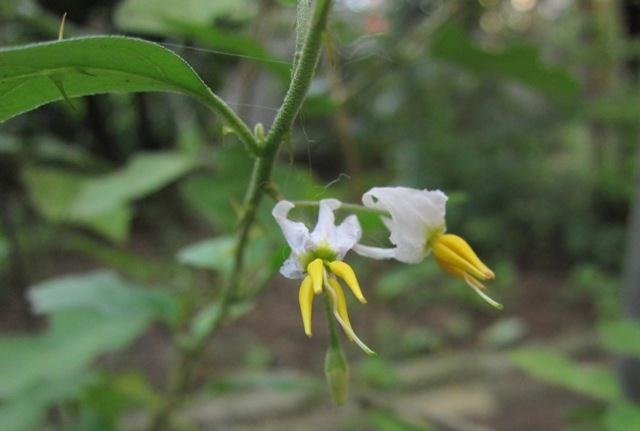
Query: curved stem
{"x":258,"y":186}
{"x":245,"y":134}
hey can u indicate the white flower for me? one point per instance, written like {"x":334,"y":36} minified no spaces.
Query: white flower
{"x":416,"y":216}
{"x":317,"y":258}
{"x":327,"y":241}
{"x":417,"y":227}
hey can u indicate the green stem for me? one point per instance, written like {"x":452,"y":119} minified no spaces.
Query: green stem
{"x":258,"y":186}
{"x":301,"y":79}
{"x":218,"y":105}
{"x":334,"y":340}
{"x":346,"y":207}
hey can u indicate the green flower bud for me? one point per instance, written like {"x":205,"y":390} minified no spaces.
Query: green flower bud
{"x":336,"y":370}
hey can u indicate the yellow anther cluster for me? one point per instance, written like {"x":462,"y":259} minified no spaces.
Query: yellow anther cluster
{"x":456,"y":257}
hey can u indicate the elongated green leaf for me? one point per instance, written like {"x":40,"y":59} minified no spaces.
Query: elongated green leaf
{"x":143,"y":175}
{"x":151,"y":16}
{"x":242,"y":46}
{"x":554,"y":368}
{"x":26,"y":411}
{"x":216,"y":254}
{"x":73,"y":341}
{"x":103,"y":292}
{"x":30,"y":76}
{"x":53,"y":192}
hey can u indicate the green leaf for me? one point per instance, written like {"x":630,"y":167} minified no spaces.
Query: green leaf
{"x":143,"y":175}
{"x":554,"y":368}
{"x":242,"y":46}
{"x":26,"y":411}
{"x":621,"y":337}
{"x":216,"y":195}
{"x":91,"y":65}
{"x":204,"y":320}
{"x":102,"y":292}
{"x":151,"y":16}
{"x":113,"y":395}
{"x":522,"y":63}
{"x":71,"y":343}
{"x":53,"y":192}
{"x":216,"y":254}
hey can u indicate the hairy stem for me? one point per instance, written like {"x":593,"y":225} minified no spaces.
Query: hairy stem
{"x":233,"y":121}
{"x":258,"y":186}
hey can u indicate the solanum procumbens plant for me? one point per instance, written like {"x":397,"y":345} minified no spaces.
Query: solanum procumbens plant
{"x":36,"y":74}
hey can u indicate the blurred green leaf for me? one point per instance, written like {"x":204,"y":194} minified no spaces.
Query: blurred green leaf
{"x":554,"y":368}
{"x":521,"y":63}
{"x":26,"y":411}
{"x":105,"y":293}
{"x":143,"y":175}
{"x":151,"y":16}
{"x":622,"y":417}
{"x":73,"y":340}
{"x":113,"y":395}
{"x":100,"y":203}
{"x":228,"y":43}
{"x":91,"y":65}
{"x":216,"y":254}
{"x":621,"y":337}
{"x":203,"y":321}
{"x":387,"y":420}
{"x":218,"y":195}
{"x":53,"y":192}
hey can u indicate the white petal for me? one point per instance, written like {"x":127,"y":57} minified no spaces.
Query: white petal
{"x":375,"y":252}
{"x":346,"y":236}
{"x":296,"y":233}
{"x":325,"y":228}
{"x":413,"y":214}
{"x":291,"y":267}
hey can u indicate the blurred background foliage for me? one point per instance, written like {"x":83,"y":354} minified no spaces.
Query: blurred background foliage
{"x":117,"y":210}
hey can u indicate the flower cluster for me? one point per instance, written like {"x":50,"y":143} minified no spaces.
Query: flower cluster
{"x":416,"y":223}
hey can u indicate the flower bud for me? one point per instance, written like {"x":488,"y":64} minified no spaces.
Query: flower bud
{"x":336,"y":370}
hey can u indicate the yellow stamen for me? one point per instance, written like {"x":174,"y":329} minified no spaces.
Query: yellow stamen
{"x":315,"y":270}
{"x":451,"y":253}
{"x":341,"y":304}
{"x":456,"y":257}
{"x":305,"y":296}
{"x":345,"y":272}
{"x":478,"y":288}
{"x":346,"y":327}
{"x":462,"y":248}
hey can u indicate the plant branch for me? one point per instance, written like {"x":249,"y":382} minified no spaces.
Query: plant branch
{"x":301,"y":79}
{"x":232,"y":119}
{"x":257,"y":188}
